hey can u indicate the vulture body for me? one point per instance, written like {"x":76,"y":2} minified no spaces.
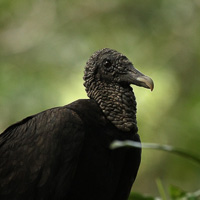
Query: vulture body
{"x":63,"y":152}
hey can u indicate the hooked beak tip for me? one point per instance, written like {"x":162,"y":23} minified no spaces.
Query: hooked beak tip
{"x":146,"y":82}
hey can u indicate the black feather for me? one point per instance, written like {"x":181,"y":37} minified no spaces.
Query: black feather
{"x":63,"y":152}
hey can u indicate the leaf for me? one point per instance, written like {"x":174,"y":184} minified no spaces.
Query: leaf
{"x":176,"y":192}
{"x":138,"y":196}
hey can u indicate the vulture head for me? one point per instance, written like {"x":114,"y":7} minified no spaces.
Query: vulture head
{"x":108,"y":76}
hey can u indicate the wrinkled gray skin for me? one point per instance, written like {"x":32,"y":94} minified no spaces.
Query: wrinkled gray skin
{"x":108,"y":75}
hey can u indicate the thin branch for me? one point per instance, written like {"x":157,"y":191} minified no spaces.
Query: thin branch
{"x":161,"y":189}
{"x":168,"y":148}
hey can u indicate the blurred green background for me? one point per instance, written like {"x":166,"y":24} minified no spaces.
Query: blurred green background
{"x":44,"y":45}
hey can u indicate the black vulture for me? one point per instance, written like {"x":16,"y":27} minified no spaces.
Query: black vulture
{"x":63,"y":152}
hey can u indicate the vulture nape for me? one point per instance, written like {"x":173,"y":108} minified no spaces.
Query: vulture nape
{"x":63,"y":152}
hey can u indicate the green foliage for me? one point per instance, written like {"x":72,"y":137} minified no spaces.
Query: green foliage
{"x":137,"y":196}
{"x":44,"y":47}
{"x":175,"y":194}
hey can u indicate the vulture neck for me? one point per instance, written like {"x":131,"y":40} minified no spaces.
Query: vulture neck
{"x":117,"y":103}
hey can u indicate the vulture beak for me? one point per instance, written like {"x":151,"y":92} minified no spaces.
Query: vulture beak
{"x":146,"y":82}
{"x":133,"y":76}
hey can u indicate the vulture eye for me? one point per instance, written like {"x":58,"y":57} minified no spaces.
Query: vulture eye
{"x":107,"y":63}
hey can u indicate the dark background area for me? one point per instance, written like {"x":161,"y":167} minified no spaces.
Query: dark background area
{"x":44,"y":45}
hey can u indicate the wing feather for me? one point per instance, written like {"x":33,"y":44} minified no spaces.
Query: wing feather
{"x":37,"y":151}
